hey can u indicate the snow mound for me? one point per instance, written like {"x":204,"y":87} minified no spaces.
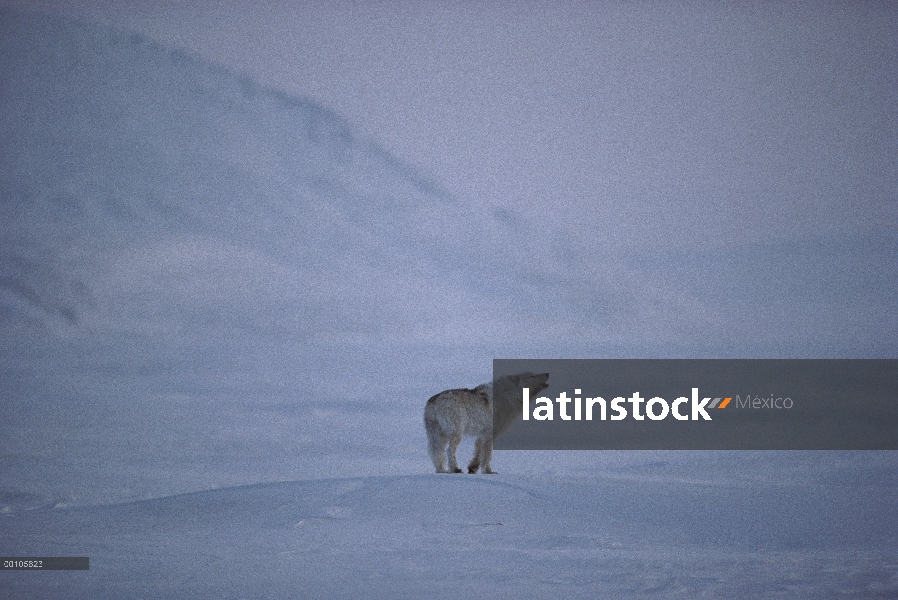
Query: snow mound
{"x":459,"y":535}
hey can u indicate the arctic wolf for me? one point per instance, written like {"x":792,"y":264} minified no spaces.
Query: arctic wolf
{"x":455,"y":413}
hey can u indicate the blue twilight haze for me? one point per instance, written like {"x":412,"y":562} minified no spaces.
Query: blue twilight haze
{"x":242,"y":243}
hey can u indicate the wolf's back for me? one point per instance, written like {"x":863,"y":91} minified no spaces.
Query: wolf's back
{"x":458,"y":411}
{"x":442,"y":414}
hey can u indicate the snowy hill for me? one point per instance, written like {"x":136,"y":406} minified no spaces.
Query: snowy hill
{"x":193,"y":268}
{"x":439,"y":536}
{"x":131,"y":172}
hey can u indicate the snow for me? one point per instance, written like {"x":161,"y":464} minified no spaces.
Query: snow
{"x":512,"y":536}
{"x":222,"y":310}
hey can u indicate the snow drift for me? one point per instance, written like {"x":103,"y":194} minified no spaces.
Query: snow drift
{"x":442,"y":536}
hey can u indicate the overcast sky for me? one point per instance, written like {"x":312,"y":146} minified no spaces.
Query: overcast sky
{"x":640,"y":125}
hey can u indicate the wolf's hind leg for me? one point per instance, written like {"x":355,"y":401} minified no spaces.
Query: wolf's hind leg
{"x":437,"y":448}
{"x":475,"y":462}
{"x":487,"y":456}
{"x":454,"y":441}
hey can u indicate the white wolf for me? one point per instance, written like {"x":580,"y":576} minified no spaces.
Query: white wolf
{"x":455,"y":413}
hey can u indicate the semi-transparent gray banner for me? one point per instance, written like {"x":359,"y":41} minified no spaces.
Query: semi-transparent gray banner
{"x":718,"y":404}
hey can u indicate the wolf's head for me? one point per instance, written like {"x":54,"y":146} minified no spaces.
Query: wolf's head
{"x":508,"y":388}
{"x":536,"y":383}
{"x":507,"y":404}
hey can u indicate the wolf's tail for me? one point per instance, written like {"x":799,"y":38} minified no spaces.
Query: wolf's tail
{"x":436,"y":438}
